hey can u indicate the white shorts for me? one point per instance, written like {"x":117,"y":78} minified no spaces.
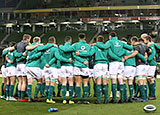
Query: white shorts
{"x":141,"y":70}
{"x":91,"y":73}
{"x":66,"y":71}
{"x":59,"y":72}
{"x":116,"y":68}
{"x":51,"y":74}
{"x":21,"y":70}
{"x":11,"y":71}
{"x":101,"y":69}
{"x":151,"y":70}
{"x":4,"y":71}
{"x":129,"y":72}
{"x":81,"y":71}
{"x":34,"y":72}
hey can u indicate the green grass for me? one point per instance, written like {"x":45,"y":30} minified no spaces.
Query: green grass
{"x":41,"y":108}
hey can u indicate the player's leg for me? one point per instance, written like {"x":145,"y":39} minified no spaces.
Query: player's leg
{"x":94,"y":86}
{"x":64,"y":83}
{"x":23,"y":88}
{"x":42,"y":87}
{"x":130,"y":83}
{"x":11,"y":88}
{"x":121,"y":84}
{"x":59,"y":83}
{"x":125,"y":89}
{"x":19,"y":87}
{"x":7,"y":87}
{"x":37,"y":89}
{"x":70,"y":81}
{"x":85,"y":82}
{"x":98,"y":88}
{"x":78,"y":88}
{"x":105,"y":88}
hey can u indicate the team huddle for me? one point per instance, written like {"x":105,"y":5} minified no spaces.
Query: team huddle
{"x":74,"y":65}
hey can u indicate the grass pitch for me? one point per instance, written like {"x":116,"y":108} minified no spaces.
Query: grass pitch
{"x":41,"y":108}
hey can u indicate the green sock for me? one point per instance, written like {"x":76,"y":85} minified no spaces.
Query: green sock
{"x":38,"y":87}
{"x":70,"y":92}
{"x":89,"y":88}
{"x":22,"y":94}
{"x":137,"y":90}
{"x":122,"y":92}
{"x":149,"y":86}
{"x":145,"y":90}
{"x":2,"y":91}
{"x":102,"y":90}
{"x":118,"y":87}
{"x":114,"y":91}
{"x":11,"y":89}
{"x":7,"y":90}
{"x":78,"y":92}
{"x":46,"y":90}
{"x":29,"y":90}
{"x":42,"y":88}
{"x":50,"y":93}
{"x":16,"y":93}
{"x":105,"y":89}
{"x":142,"y":91}
{"x":67,"y":87}
{"x":98,"y":92}
{"x":130,"y":92}
{"x":85,"y":92}
{"x":59,"y":88}
{"x":94,"y":87}
{"x":26,"y":91}
{"x":152,"y":90}
{"x":19,"y":94}
{"x":125,"y":92}
{"x":64,"y":92}
{"x":74,"y":87}
{"x":83,"y":88}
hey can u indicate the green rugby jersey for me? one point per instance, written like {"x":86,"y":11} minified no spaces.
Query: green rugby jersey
{"x":150,"y":59}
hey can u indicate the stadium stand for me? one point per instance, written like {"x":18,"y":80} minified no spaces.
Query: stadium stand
{"x":35,"y":4}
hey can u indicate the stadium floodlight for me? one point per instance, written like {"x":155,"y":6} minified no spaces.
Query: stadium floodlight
{"x":27,"y":24}
{"x":9,"y":25}
{"x":120,"y":21}
{"x":52,"y":23}
{"x":135,"y":21}
{"x":92,"y":22}
{"x":65,"y":22}
{"x":106,"y":21}
{"x":40,"y":23}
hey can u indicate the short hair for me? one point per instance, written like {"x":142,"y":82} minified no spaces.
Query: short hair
{"x":134,"y":38}
{"x":52,"y":39}
{"x":144,"y":35}
{"x":81,"y":35}
{"x":141,"y":40}
{"x":113,"y":34}
{"x":12,"y":43}
{"x":36,"y":39}
{"x":26,"y":37}
{"x":68,"y":38}
{"x":148,"y":38}
{"x":100,"y":38}
{"x":124,"y":39}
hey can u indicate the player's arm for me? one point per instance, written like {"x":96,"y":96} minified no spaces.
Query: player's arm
{"x":157,"y":46}
{"x":113,"y":56}
{"x":141,"y":57}
{"x":52,"y":61}
{"x":134,"y":53}
{"x":8,"y":60}
{"x":33,"y":46}
{"x":103,"y":46}
{"x":153,"y":53}
{"x":67,"y":49}
{"x":45,"y":47}
{"x":78,"y":58}
{"x":126,"y":46}
{"x":60,"y":57}
{"x":4,"y":52}
{"x":34,"y":56}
